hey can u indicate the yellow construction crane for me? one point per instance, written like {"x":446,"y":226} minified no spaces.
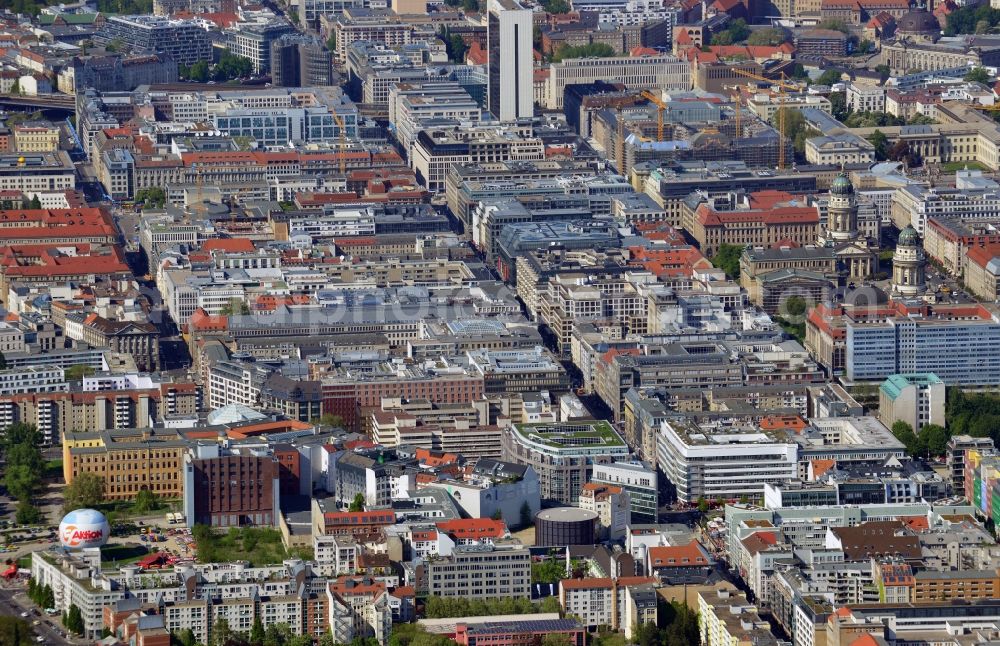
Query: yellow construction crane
{"x":782,"y":85}
{"x":199,"y":186}
{"x":737,"y":97}
{"x":620,"y":143}
{"x":343,"y":141}
{"x":660,"y":109}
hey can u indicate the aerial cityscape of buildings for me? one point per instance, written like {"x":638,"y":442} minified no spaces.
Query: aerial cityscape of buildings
{"x":500,"y":323}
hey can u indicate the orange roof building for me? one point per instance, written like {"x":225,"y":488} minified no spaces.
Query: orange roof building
{"x":689,"y":563}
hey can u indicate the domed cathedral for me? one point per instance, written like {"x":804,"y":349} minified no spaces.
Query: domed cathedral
{"x":918,"y":25}
{"x":841,"y":233}
{"x":909,"y":265}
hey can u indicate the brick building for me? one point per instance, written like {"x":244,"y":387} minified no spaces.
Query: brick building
{"x":759,"y":225}
{"x":230,"y":490}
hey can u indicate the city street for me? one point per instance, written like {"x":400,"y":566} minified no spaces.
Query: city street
{"x":14,"y":602}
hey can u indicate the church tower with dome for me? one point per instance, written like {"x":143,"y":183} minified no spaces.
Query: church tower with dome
{"x":842,"y":212}
{"x":909,"y":265}
{"x":842,"y":234}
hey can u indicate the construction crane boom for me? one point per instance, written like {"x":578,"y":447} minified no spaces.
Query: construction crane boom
{"x":343,"y":141}
{"x":660,"y":109}
{"x":620,"y":142}
{"x":782,"y":85}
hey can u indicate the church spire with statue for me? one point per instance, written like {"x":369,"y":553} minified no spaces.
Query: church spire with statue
{"x":841,"y":232}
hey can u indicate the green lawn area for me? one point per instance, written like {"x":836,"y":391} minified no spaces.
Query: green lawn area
{"x":258,"y":545}
{"x":564,"y":434}
{"x":795,"y":330}
{"x":115,"y":556}
{"x":951,"y":167}
{"x":24,"y":561}
{"x":53,"y":469}
{"x":609,"y":639}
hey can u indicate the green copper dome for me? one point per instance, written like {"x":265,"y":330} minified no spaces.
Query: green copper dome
{"x":841,"y":185}
{"x":908,"y":237}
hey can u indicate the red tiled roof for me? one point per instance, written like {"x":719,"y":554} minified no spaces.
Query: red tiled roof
{"x":232,"y":245}
{"x":435,"y":459}
{"x":678,"y":555}
{"x":982,"y":255}
{"x":48,"y":260}
{"x":791,"y":422}
{"x":473,"y":528}
{"x":779,"y":215}
{"x":759,"y":541}
{"x":819,"y":467}
{"x":476,"y":55}
{"x":645,"y":51}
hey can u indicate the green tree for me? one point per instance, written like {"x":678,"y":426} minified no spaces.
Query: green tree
{"x":21,"y":482}
{"x":881,"y":144}
{"x":871,"y":120}
{"x":221,"y":633}
{"x":681,"y":625}
{"x":646,"y":635}
{"x":331,"y":42}
{"x":727,"y":258}
{"x":549,"y":604}
{"x":231,"y":66}
{"x":235,"y":306}
{"x":47,"y":597}
{"x":556,"y":6}
{"x":556,"y":639}
{"x":838,"y":105}
{"x":973,"y":19}
{"x":551,"y":570}
{"x":35,"y":203}
{"x":19,"y":434}
{"x":829,"y":77}
{"x":146,"y":501}
{"x":525,"y":514}
{"x":15,"y":632}
{"x":795,"y":306}
{"x":795,"y":122}
{"x":458,"y":49}
{"x":883,"y":71}
{"x":358,"y":504}
{"x":78,"y":372}
{"x":703,"y":505}
{"x":74,"y":620}
{"x":935,"y":438}
{"x":904,"y":433}
{"x":153,"y":197}
{"x":593,"y":50}
{"x":836,"y":24}
{"x":86,"y":490}
{"x":198,"y":72}
{"x":257,"y":631}
{"x":736,"y":32}
{"x":329,"y":419}
{"x":277,"y":635}
{"x":899,"y":151}
{"x":977,"y":75}
{"x":767,"y":36}
{"x":116,"y":45}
